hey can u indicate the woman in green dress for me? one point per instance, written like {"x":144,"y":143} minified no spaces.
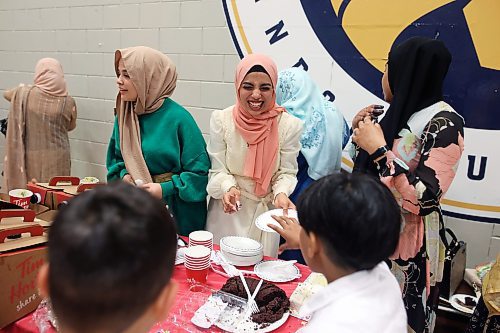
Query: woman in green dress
{"x":156,"y":143}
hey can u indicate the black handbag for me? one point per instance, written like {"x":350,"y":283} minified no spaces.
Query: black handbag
{"x":454,"y":264}
{"x":3,"y":126}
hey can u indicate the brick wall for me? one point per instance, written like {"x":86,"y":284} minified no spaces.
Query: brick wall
{"x":83,"y":35}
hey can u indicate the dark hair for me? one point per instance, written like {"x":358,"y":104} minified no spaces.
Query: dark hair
{"x":111,"y":252}
{"x":355,"y":216}
{"x":258,"y":69}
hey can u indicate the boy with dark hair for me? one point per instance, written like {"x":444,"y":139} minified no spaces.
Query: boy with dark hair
{"x":111,"y":257}
{"x":349,"y":224}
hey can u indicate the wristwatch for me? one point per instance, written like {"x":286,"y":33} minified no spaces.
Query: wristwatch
{"x":379,"y":152}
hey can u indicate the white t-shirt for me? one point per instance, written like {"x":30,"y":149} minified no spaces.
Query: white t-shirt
{"x":366,"y":301}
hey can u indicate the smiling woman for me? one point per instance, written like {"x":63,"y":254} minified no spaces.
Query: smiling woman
{"x":125,"y":84}
{"x":256,"y":93}
{"x":156,"y":143}
{"x":253,"y":148}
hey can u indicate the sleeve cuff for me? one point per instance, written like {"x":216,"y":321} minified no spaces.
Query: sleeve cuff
{"x":123,"y":173}
{"x":167,"y":188}
{"x":390,"y":165}
{"x":279,"y":190}
{"x":227,"y":184}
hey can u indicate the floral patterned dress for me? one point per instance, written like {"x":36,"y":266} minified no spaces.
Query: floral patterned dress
{"x":419,"y":170}
{"x":481,"y":321}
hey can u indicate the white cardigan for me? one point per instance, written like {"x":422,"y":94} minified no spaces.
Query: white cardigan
{"x":227,"y":150}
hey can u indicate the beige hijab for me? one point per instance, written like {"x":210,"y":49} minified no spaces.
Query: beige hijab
{"x":49,"y":77}
{"x":15,"y":162}
{"x":154,"y":77}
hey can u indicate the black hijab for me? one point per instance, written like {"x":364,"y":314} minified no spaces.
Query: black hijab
{"x":417,"y":68}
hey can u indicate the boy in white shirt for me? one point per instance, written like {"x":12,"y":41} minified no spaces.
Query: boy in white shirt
{"x":349,"y":223}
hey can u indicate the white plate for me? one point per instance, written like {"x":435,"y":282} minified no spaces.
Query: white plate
{"x":238,"y":260}
{"x":266,"y":218}
{"x":461,"y":298}
{"x":240,"y":245}
{"x":179,"y":256}
{"x":248,"y":326}
{"x":268,"y":271}
{"x":89,"y":180}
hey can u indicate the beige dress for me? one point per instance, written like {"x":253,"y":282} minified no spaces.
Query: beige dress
{"x":227,"y":150}
{"x":37,"y":136}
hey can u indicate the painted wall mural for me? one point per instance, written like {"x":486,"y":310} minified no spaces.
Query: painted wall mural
{"x":344,"y":44}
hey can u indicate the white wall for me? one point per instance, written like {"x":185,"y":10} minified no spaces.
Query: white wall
{"x":83,"y":35}
{"x":483,"y":239}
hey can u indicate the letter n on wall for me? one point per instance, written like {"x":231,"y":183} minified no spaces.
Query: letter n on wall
{"x":275,"y":30}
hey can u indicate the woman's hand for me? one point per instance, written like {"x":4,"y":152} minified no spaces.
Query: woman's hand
{"x":282,"y":201}
{"x":365,"y":112}
{"x":290,"y":231}
{"x":368,"y":136}
{"x":231,"y":200}
{"x":128,"y":179}
{"x":154,"y":189}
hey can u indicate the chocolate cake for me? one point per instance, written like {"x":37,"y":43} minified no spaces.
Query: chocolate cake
{"x":271,"y":300}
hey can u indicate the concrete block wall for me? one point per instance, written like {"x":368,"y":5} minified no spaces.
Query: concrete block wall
{"x":84,"y":34}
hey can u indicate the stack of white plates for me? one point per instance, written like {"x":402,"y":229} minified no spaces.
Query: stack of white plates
{"x":241,"y":251}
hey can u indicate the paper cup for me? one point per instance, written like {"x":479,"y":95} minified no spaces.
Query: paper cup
{"x":197,"y":252}
{"x":20,"y":197}
{"x":207,"y":245}
{"x":197,"y":262}
{"x":201,"y":237}
{"x":197,"y":275}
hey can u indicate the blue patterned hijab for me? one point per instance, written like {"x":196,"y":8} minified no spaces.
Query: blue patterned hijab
{"x":324,"y":126}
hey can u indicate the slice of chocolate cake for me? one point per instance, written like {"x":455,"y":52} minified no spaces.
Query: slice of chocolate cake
{"x":271,"y":300}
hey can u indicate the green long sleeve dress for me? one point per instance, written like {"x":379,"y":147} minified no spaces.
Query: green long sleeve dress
{"x":171,"y":142}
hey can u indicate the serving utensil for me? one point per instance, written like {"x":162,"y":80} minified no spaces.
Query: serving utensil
{"x":250,"y":303}
{"x":253,"y":308}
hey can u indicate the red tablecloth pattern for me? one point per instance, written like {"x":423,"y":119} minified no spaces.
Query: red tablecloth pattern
{"x":215,"y":281}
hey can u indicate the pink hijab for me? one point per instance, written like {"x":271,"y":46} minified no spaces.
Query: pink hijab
{"x":260,"y":132}
{"x":49,"y":77}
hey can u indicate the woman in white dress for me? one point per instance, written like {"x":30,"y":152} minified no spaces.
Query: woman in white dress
{"x":253,"y":148}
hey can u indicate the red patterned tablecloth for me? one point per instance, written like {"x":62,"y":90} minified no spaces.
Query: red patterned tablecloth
{"x":215,"y":281}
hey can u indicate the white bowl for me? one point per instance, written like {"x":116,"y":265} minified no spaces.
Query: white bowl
{"x":238,"y":260}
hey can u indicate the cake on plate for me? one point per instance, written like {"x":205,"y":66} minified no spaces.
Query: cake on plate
{"x":271,"y":300}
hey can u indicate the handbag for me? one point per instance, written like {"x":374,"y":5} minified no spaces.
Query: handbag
{"x":3,"y":126}
{"x":454,"y":263}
